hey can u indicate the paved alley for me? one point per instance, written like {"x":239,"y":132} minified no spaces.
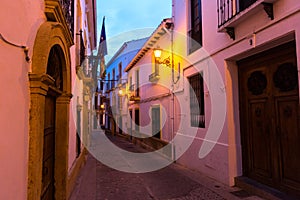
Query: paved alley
{"x":97,"y":181}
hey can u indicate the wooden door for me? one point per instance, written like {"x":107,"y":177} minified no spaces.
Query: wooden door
{"x":137,"y":120}
{"x":270,"y":118}
{"x":120,"y":125}
{"x":78,"y":133}
{"x":130,"y":114}
{"x":48,"y":149}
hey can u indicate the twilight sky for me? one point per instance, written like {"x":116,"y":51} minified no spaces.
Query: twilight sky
{"x":129,"y":19}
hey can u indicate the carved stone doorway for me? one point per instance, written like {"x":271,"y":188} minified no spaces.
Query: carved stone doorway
{"x":50,"y":87}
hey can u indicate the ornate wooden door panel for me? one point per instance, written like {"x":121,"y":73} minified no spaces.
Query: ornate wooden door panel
{"x":259,"y":143}
{"x":49,"y":149}
{"x":270,"y":118}
{"x":289,"y":138}
{"x":256,"y":120}
{"x":286,"y":100}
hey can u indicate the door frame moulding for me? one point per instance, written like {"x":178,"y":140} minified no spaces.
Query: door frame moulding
{"x":48,"y":35}
{"x":233,"y":114}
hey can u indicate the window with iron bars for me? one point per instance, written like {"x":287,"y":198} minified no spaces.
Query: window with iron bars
{"x":197,"y":101}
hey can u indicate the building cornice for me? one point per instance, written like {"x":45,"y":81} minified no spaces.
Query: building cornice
{"x":54,"y":13}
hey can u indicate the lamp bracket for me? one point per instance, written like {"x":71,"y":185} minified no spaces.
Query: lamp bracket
{"x":166,"y":61}
{"x":25,"y":48}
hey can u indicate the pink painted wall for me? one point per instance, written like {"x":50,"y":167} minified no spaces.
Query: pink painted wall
{"x":225,"y":161}
{"x":19,"y":24}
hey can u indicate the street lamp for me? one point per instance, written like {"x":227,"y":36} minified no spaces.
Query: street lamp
{"x":157,"y":54}
{"x":121,"y":93}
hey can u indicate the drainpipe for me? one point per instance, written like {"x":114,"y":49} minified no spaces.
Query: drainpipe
{"x":173,"y":100}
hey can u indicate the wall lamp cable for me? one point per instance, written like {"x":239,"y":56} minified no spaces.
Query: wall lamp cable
{"x":25,"y":49}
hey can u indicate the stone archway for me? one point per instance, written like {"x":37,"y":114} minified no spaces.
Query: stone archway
{"x":50,"y":35}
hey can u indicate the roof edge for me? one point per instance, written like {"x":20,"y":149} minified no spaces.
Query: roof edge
{"x":154,"y":37}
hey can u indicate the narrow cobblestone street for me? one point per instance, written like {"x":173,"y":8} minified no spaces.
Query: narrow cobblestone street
{"x":97,"y":181}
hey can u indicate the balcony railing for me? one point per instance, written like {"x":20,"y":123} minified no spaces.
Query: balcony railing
{"x":154,"y":76}
{"x":233,"y":12}
{"x":228,"y":9}
{"x":68,"y":10}
{"x":131,"y":87}
{"x":134,"y":93}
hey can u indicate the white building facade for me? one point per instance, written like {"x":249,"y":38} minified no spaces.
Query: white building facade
{"x":116,"y":85}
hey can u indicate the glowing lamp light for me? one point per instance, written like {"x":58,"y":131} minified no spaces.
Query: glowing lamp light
{"x":102,"y":106}
{"x":157,"y":52}
{"x":120,"y":92}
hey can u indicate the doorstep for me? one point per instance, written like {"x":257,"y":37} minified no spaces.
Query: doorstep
{"x":260,"y":189}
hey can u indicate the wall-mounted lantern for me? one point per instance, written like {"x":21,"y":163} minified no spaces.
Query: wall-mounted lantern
{"x":169,"y":63}
{"x":102,"y":106}
{"x":157,"y":54}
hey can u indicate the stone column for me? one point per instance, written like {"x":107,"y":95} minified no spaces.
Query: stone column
{"x":62,"y":145}
{"x":38,"y":91}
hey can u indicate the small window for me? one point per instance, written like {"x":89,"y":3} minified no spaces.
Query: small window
{"x":131,"y":86}
{"x":120,"y":70}
{"x":137,"y":82}
{"x":113,"y":79}
{"x":120,"y":105}
{"x":108,"y":83}
{"x":195,"y":32}
{"x":197,"y":101}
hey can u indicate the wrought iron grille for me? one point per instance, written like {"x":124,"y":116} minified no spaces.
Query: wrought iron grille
{"x":68,"y":10}
{"x":131,"y":87}
{"x":227,"y":9}
{"x":197,"y":101}
{"x":154,"y":75}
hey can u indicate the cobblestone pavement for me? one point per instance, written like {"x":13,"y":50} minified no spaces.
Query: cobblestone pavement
{"x":99,"y":182}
